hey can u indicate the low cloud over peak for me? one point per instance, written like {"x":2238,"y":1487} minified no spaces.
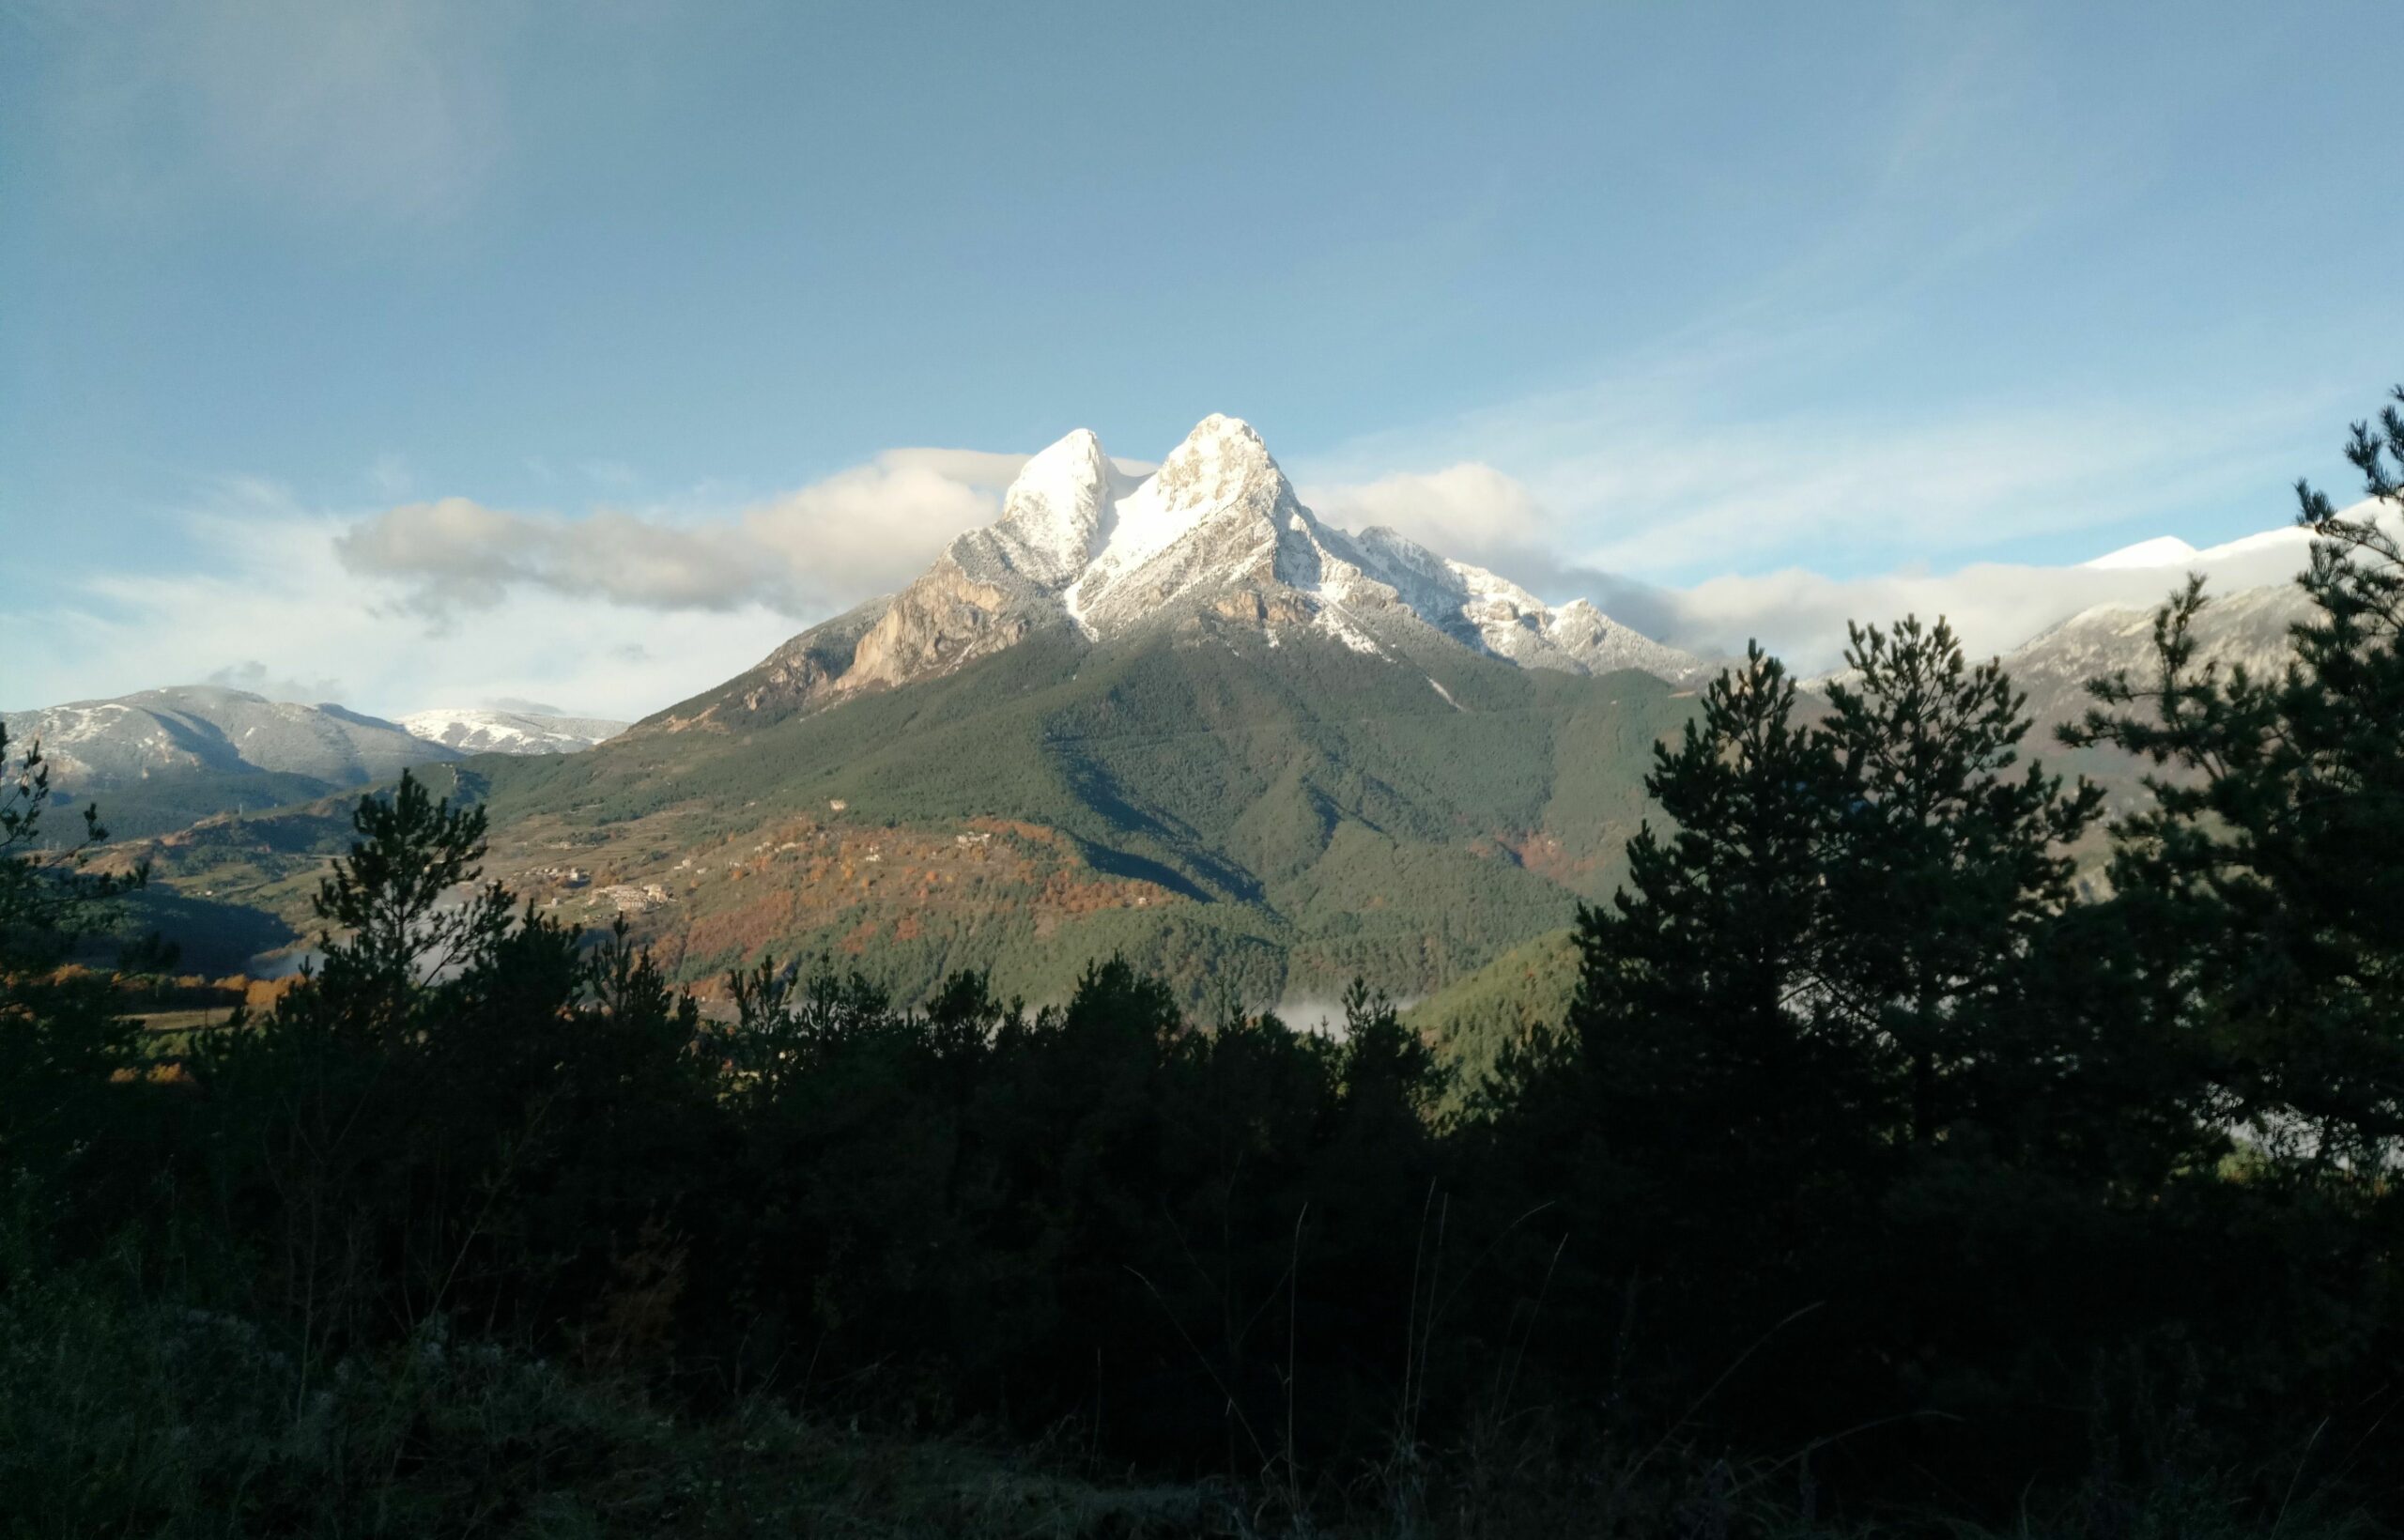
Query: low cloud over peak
{"x":256,"y":678}
{"x":861,"y":531}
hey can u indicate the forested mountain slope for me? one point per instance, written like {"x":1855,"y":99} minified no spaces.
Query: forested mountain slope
{"x":1251,"y":818}
{"x":1256,"y":821}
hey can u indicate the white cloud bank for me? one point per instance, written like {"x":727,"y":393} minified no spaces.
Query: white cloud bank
{"x":278,"y":611}
{"x":1477,"y":513}
{"x":864,"y":531}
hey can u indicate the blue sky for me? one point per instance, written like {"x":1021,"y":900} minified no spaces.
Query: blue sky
{"x":1669,"y":293}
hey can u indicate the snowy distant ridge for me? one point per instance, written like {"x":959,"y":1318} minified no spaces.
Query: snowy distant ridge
{"x":93,"y":744}
{"x":2162,"y":551}
{"x":185,"y":728}
{"x":480,"y":731}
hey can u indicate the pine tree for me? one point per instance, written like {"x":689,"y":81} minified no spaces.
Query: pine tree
{"x":1943,"y":862}
{"x":2267,"y":865}
{"x":388,"y":908}
{"x":1842,"y":915}
{"x":46,"y":904}
{"x":1700,"y":1011}
{"x":62,"y":1031}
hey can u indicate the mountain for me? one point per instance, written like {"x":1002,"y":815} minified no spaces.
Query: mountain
{"x":1254,"y":821}
{"x":2161,"y":551}
{"x":162,"y":758}
{"x":477,"y":731}
{"x":100,"y":745}
{"x":1522,"y":999}
{"x":1215,"y":537}
{"x":1177,"y":718}
{"x":2248,"y":627}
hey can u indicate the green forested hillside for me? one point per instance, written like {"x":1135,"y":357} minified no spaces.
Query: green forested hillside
{"x":166,"y":802}
{"x":1254,"y":822}
{"x":1283,"y":817}
{"x":1521,"y":997}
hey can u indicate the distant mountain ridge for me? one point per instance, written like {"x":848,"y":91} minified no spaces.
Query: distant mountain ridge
{"x":99,"y":744}
{"x":189,"y":728}
{"x":484,"y":730}
{"x":2246,"y":628}
{"x":162,"y":758}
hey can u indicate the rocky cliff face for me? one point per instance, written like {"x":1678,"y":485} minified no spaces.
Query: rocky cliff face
{"x":1214,"y":538}
{"x":795,"y":677}
{"x":944,"y":620}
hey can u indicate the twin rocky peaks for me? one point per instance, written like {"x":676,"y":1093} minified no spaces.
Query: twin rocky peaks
{"x":1215,"y":538}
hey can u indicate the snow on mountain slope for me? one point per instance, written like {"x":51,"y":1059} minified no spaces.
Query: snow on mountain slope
{"x":2162,"y":551}
{"x":93,"y":744}
{"x":1215,"y":536}
{"x":1213,"y":513}
{"x":2246,"y":628}
{"x":1495,"y":615}
{"x":475,"y":730}
{"x":1053,"y":516}
{"x":2269,"y":557}
{"x":1219,"y":526}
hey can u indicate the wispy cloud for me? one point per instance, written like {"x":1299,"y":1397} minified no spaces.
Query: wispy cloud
{"x":390,"y":476}
{"x":393,"y":110}
{"x":1806,"y":415}
{"x":1792,"y":608}
{"x":863,"y":531}
{"x":275,"y":605}
{"x":1685,"y":462}
{"x":258,"y":679}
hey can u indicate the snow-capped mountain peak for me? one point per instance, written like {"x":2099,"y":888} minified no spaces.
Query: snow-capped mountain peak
{"x":1214,"y":538}
{"x":1213,"y":512}
{"x":1222,"y":463}
{"x":1053,"y":513}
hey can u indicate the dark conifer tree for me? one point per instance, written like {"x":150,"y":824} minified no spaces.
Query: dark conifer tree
{"x":2267,"y":865}
{"x":1943,"y":862}
{"x":1713,"y":1065}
